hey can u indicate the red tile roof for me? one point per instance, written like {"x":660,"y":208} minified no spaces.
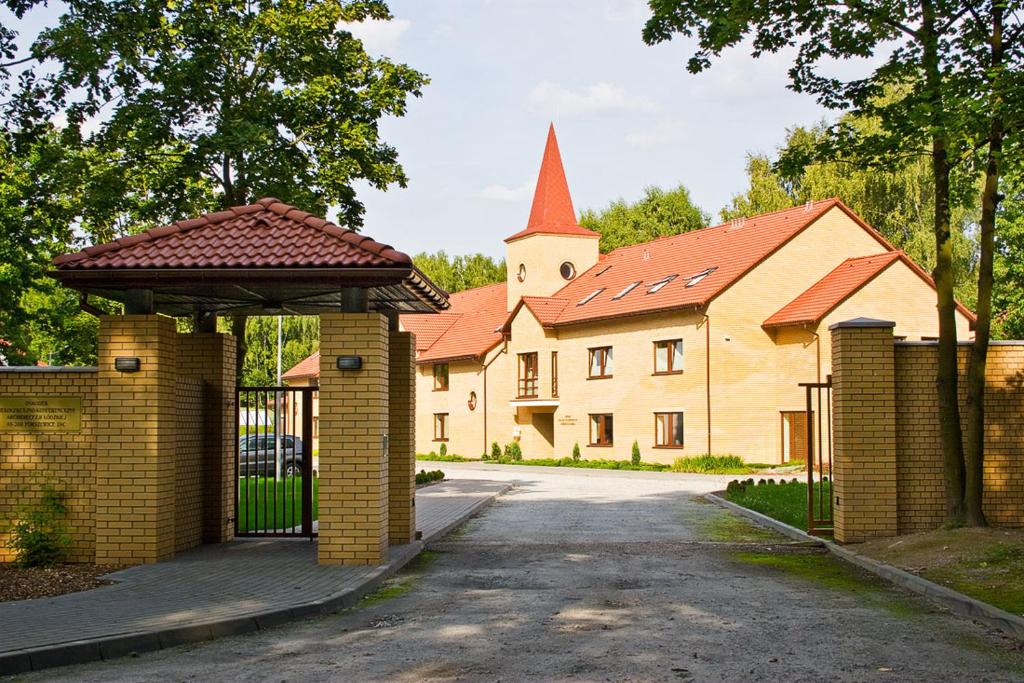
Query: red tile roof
{"x":552,"y":212}
{"x":840,"y":284}
{"x":305,"y":368}
{"x":824,"y":295}
{"x":428,"y":328}
{"x":480,"y":314}
{"x":266,"y":234}
{"x":725,"y":253}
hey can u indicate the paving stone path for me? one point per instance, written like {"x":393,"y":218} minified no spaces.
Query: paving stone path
{"x":580,"y":575}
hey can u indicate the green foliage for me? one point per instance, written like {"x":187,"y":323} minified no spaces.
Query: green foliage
{"x":897,"y":200}
{"x":425,"y":477}
{"x":40,"y":537}
{"x":658,"y":214}
{"x":588,"y":464}
{"x":300,"y":337}
{"x":513,"y":451}
{"x":443,"y":450}
{"x":443,"y":457}
{"x":495,"y":451}
{"x":1008,"y":297}
{"x":457,"y":273}
{"x":786,"y":501}
{"x":715,"y":464}
{"x":636,"y":453}
{"x":576,"y":451}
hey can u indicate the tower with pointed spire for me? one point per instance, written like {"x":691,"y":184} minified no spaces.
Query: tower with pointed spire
{"x":554,"y":247}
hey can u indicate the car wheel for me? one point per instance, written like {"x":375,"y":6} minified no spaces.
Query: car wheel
{"x":293,"y":469}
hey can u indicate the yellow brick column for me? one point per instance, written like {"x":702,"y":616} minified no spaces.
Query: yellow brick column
{"x":353,"y":425}
{"x":211,"y":357}
{"x":135,"y":440}
{"x":401,"y":437}
{"x":864,"y":430}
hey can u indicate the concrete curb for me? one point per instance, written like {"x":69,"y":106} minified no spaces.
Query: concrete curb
{"x":112,"y":647}
{"x":956,"y":602}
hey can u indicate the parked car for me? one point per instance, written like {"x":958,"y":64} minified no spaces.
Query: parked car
{"x":257,"y":458}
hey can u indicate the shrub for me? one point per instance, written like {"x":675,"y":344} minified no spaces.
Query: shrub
{"x":711,"y":464}
{"x":443,"y":450}
{"x":576,"y":452}
{"x":734,"y":487}
{"x":40,"y":537}
{"x":424,"y":477}
{"x":636,"y":453}
{"x":495,"y":451}
{"x":513,"y":451}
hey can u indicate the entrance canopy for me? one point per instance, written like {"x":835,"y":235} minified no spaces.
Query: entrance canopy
{"x":261,"y":259}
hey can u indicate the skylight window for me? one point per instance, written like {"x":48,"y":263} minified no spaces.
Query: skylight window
{"x":629,"y":288}
{"x":656,"y":287}
{"x":694,"y":279}
{"x":590,"y":296}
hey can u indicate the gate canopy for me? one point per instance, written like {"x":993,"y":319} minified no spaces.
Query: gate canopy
{"x":264,"y":258}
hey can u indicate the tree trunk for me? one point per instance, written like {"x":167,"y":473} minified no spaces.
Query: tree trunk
{"x":947,"y":378}
{"x":975,"y":449}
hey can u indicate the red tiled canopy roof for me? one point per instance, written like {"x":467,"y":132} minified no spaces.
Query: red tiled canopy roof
{"x":249,"y":260}
{"x":552,"y":212}
{"x":266,"y":234}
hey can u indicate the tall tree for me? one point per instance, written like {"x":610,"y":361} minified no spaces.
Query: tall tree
{"x":923,"y":47}
{"x":658,"y":213}
{"x":457,"y":273}
{"x":896,"y":200}
{"x":203,"y":104}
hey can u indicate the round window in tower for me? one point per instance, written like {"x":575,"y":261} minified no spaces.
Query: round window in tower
{"x":568,"y":270}
{"x":521,"y":275}
{"x":472,"y":400}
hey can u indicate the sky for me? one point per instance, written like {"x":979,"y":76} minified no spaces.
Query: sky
{"x":627,"y":115}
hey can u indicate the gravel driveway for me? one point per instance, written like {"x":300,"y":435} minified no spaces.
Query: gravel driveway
{"x":606,"y":576}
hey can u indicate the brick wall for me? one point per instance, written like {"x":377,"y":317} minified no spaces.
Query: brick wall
{"x":922,"y":498}
{"x":188,"y":464}
{"x":29,"y":460}
{"x":888,"y":457}
{"x":353,"y":422}
{"x":401,"y":437}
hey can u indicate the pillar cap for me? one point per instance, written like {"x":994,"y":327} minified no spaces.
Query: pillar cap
{"x":862,"y":322}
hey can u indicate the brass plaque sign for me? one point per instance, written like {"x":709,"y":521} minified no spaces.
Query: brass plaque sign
{"x":27,"y":414}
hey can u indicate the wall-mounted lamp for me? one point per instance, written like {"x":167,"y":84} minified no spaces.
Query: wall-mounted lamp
{"x":126,"y":364}
{"x":349,"y":362}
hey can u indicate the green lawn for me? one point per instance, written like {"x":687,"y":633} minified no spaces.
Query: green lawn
{"x":785,"y":501}
{"x":702,"y":464}
{"x":253,"y":513}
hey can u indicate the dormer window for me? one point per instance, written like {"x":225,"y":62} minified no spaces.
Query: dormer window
{"x":628,"y":288}
{"x":694,"y":279}
{"x":590,"y":296}
{"x":657,"y":286}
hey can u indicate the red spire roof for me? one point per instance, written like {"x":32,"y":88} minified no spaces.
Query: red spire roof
{"x":552,"y":212}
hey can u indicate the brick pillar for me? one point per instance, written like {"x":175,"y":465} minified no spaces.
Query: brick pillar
{"x":353,"y":425}
{"x":135,"y":440}
{"x":401,"y":437}
{"x":211,"y":357}
{"x":864,"y":430}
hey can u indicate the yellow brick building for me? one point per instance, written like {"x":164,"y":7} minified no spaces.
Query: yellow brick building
{"x":689,"y":344}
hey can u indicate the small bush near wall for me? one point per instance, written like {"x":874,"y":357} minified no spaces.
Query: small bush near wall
{"x":513,"y":451}
{"x":424,"y":477}
{"x":576,"y":451}
{"x":636,"y":453}
{"x":495,"y":451}
{"x":716,"y":464}
{"x":39,"y":537}
{"x":443,"y":450}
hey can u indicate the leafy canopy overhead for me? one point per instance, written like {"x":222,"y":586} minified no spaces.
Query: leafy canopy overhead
{"x":658,"y":213}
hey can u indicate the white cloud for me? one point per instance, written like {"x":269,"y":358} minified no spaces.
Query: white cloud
{"x":378,"y":36}
{"x":555,"y":99}
{"x":503,"y":193}
{"x":661,"y":133}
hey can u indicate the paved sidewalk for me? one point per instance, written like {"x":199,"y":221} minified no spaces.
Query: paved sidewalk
{"x":213,"y":590}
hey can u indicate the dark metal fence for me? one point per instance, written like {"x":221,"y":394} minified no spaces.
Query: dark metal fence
{"x":276,"y":482}
{"x":819,"y":456}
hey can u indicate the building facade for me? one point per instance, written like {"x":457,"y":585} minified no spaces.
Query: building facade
{"x":689,"y":344}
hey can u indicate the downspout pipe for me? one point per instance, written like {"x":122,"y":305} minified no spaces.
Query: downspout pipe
{"x":707,"y":372}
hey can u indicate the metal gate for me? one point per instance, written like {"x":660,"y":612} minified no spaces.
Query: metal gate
{"x":819,"y":456}
{"x":275,"y":493}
